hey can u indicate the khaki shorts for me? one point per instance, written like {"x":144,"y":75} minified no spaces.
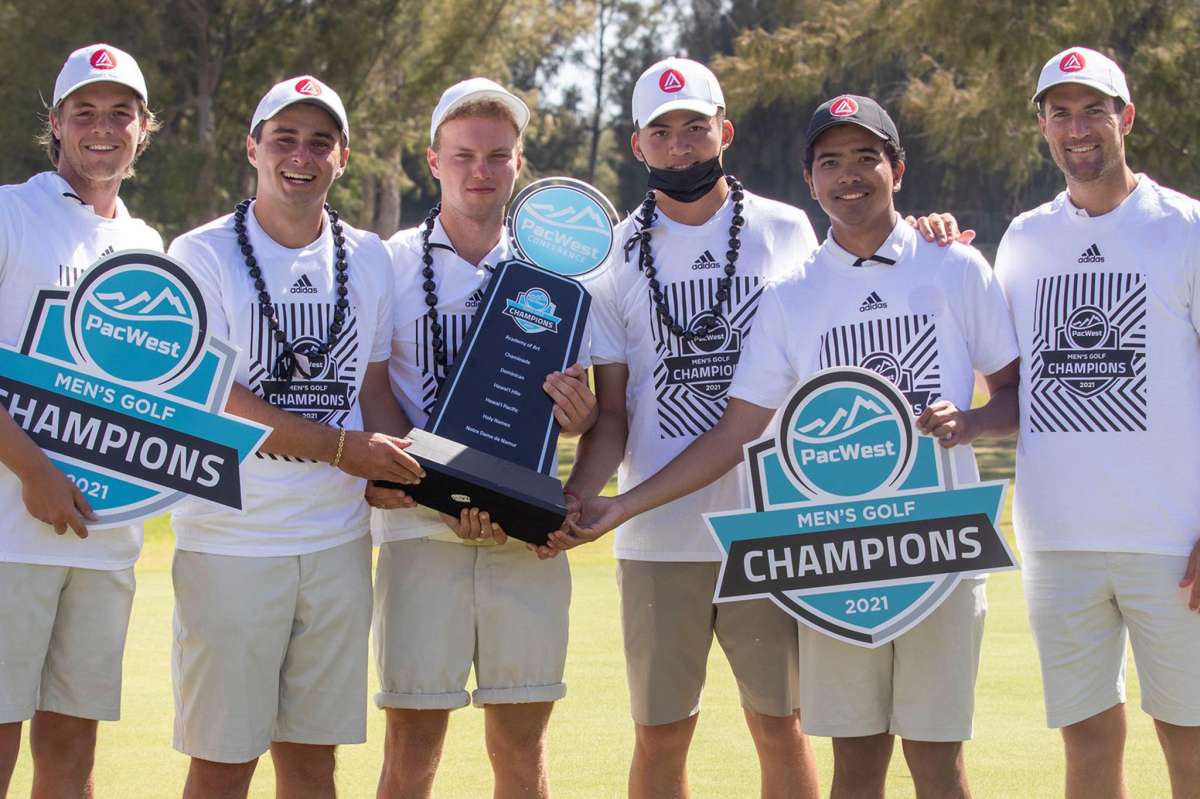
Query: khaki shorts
{"x":668,"y":619}
{"x":62,"y":638}
{"x":1083,"y":606}
{"x":270,"y":649}
{"x":920,"y":686}
{"x":441,"y":607}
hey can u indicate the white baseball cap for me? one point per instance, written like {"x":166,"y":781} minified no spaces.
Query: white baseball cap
{"x":1086,"y":67}
{"x":472,"y":90}
{"x":301,"y":89}
{"x":97,"y":63}
{"x":675,"y":83}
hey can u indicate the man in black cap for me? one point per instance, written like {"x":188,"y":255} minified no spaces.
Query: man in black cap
{"x":874,"y":293}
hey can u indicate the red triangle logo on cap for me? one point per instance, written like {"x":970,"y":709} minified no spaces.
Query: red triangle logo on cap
{"x":1072,"y":62}
{"x":671,"y":81}
{"x":309,"y":87}
{"x":103,"y":59}
{"x":844,"y":107}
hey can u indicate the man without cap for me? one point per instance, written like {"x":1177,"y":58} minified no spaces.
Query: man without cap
{"x":273,"y":603}
{"x":877,"y":296}
{"x":1104,"y":285}
{"x":68,"y":594}
{"x":447,"y":599}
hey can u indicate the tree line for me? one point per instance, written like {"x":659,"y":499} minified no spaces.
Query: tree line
{"x":957,"y":79}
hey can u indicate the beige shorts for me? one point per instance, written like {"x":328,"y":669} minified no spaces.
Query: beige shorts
{"x":1083,"y":606}
{"x":668,"y":619}
{"x":270,"y":649}
{"x":441,"y":607}
{"x":920,"y":686}
{"x":62,"y":638}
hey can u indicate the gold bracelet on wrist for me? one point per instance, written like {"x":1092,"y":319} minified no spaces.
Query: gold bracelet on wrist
{"x":337,"y":458}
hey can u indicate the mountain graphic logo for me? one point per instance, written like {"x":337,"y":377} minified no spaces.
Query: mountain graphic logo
{"x":873,"y":302}
{"x":587,"y":218}
{"x":706,"y":261}
{"x":847,"y":436}
{"x":303,"y":286}
{"x":143,"y":305}
{"x":863,"y":413}
{"x":1091,"y":256}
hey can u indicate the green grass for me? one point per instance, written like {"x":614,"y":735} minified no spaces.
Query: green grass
{"x":1013,"y":754}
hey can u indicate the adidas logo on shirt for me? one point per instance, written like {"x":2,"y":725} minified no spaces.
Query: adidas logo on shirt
{"x":706,"y":261}
{"x":873,"y":302}
{"x":107,"y":251}
{"x":474,"y":300}
{"x":1091,"y":256}
{"x":303,"y":286}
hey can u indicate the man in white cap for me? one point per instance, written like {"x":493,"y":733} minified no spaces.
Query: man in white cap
{"x":68,"y":594}
{"x":449,"y":599}
{"x":273,"y":603}
{"x":671,"y":314}
{"x":1104,"y":286}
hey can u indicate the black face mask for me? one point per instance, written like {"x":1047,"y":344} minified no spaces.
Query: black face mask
{"x":686,"y":185}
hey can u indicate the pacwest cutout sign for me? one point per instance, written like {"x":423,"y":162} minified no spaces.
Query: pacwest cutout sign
{"x":857,"y":528}
{"x":119,"y":383}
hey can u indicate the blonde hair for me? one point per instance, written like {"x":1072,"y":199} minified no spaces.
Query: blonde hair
{"x":488,"y":109}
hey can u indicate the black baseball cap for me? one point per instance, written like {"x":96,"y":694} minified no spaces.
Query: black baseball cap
{"x":851,"y":109}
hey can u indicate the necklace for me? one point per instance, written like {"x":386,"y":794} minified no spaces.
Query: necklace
{"x":438,"y":342}
{"x":646,"y":264}
{"x":286,"y":362}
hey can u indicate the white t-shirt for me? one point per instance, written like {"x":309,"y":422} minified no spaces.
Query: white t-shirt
{"x":415,"y":375}
{"x":927,"y":323}
{"x":291,"y":506}
{"x":1107,"y":311}
{"x":678,"y":391}
{"x":48,"y":238}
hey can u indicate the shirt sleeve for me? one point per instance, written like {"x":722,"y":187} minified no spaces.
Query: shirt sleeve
{"x":609,"y":338}
{"x":767,"y":370}
{"x":201,"y":263}
{"x":991,"y":340}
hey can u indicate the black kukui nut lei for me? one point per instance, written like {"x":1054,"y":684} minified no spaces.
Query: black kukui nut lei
{"x":646,"y":264}
{"x":438,"y":342}
{"x":285,"y":365}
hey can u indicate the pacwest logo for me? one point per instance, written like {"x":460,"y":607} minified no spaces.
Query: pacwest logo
{"x":533,"y":312}
{"x":120,"y":385}
{"x":561,"y":226}
{"x":1087,"y":355}
{"x":857,"y":528}
{"x":707,"y":363}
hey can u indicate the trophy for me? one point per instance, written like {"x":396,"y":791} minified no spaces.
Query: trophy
{"x":490,"y":440}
